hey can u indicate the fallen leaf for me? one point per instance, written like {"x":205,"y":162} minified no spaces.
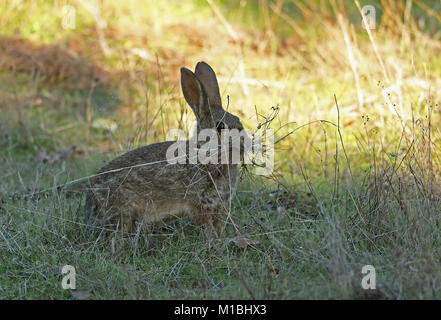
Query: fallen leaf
{"x":66,"y":154}
{"x":243,"y":242}
{"x":349,"y":123}
{"x":81,"y":294}
{"x":42,"y":156}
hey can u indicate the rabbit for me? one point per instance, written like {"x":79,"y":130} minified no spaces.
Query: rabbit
{"x":142,"y":189}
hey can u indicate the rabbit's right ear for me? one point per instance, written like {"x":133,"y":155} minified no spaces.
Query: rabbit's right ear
{"x":207,"y":77}
{"x":192,"y":89}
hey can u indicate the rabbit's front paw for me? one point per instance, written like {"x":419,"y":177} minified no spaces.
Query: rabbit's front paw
{"x":213,"y":224}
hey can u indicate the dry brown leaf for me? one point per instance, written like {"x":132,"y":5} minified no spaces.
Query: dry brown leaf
{"x":66,"y":154}
{"x":42,"y":156}
{"x":243,"y":242}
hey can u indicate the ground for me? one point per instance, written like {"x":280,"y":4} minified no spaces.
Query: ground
{"x":356,"y":116}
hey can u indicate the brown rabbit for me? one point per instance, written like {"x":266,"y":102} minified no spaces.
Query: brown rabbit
{"x":141,"y":188}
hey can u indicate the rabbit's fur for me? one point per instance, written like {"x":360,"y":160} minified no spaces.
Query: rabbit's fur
{"x":141,"y":189}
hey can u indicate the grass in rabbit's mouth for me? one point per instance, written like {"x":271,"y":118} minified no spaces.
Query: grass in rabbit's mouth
{"x":356,"y":178}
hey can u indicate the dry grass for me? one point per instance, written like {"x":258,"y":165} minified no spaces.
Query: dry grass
{"x":356,"y":177}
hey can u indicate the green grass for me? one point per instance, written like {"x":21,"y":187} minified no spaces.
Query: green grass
{"x":366,"y":194}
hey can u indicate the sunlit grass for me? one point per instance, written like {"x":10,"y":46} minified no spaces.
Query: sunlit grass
{"x":368,"y":193}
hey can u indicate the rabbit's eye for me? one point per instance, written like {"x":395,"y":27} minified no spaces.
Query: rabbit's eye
{"x":220,"y":126}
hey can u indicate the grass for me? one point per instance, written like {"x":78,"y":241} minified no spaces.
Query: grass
{"x":359,"y":188}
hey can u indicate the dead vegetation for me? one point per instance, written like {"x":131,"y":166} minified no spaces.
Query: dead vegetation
{"x":355,"y":183}
{"x":53,"y":62}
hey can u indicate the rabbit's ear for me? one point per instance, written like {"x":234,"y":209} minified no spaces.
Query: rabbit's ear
{"x":192,"y":89}
{"x":207,"y":77}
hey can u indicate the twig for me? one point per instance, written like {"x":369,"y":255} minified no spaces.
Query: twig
{"x":371,"y":38}
{"x":341,"y":138}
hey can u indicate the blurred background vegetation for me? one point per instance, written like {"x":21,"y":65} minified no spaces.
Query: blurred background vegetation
{"x":82,"y":81}
{"x":118,"y":66}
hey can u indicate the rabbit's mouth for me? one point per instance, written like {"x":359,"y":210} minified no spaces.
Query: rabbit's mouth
{"x":224,"y":147}
{"x":236,"y":143}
